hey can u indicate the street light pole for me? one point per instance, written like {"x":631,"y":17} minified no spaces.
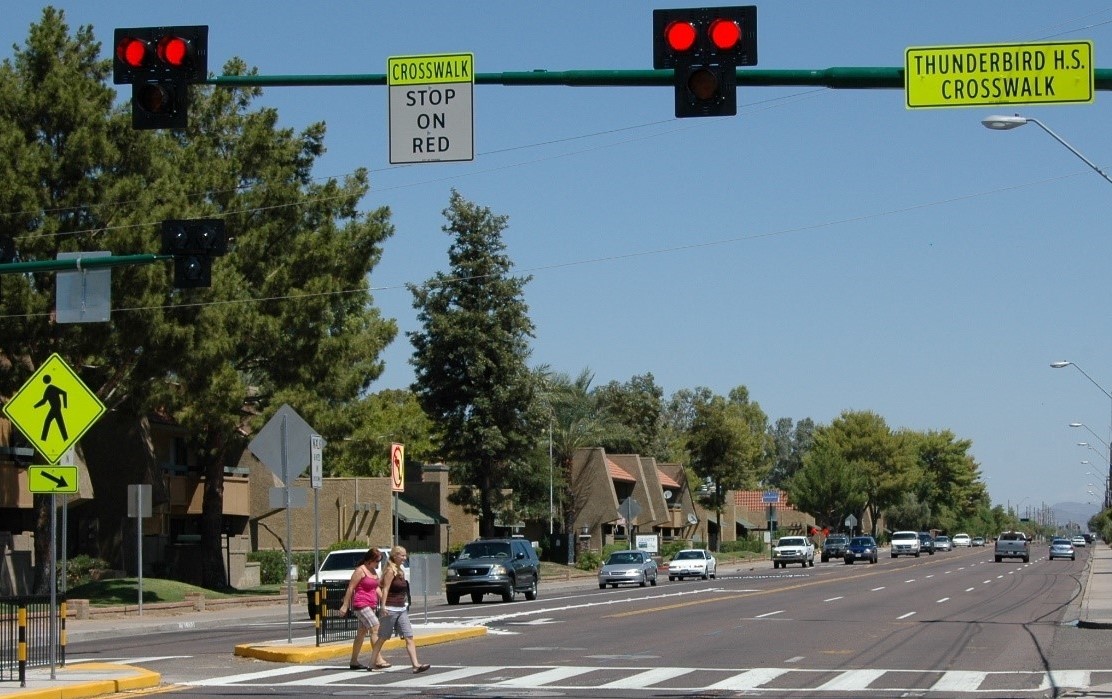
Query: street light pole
{"x":1006,"y":123}
{"x":1062,"y":364}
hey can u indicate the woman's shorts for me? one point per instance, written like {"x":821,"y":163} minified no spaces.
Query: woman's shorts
{"x":396,"y":622}
{"x":367,"y":618}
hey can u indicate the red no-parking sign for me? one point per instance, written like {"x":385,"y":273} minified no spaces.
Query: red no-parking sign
{"x":397,"y":468}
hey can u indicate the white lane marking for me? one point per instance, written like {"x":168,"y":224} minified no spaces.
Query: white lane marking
{"x":944,"y":599}
{"x":832,"y":599}
{"x":970,"y":589}
{"x":762,"y":616}
{"x":876,"y":589}
{"x":904,"y":616}
{"x":795,"y":659}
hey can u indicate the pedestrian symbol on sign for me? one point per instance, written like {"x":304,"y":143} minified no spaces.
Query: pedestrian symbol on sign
{"x":56,"y":397}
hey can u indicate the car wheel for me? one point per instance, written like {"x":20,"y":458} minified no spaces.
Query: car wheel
{"x":476,"y":597}
{"x":811,"y":563}
{"x":997,"y":559}
{"x":671,"y":578}
{"x":916,"y":554}
{"x":824,"y":559}
{"x":653,"y":581}
{"x":894,"y":555}
{"x":602,"y":586}
{"x":714,"y":573}
{"x":705,"y":575}
{"x":312,"y":611}
{"x":508,"y":594}
{"x":849,"y":561}
{"x":872,"y":560}
{"x":453,"y":598}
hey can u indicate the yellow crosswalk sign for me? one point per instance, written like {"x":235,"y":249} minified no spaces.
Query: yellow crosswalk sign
{"x":54,"y":408}
{"x":52,"y":479}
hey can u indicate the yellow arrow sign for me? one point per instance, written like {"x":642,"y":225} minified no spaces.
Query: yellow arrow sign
{"x":54,"y":408}
{"x":52,"y":479}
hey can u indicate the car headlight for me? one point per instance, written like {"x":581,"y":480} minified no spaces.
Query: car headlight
{"x":497,"y":570}
{"x":453,"y":573}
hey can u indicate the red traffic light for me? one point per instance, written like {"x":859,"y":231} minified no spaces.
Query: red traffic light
{"x":724,"y":34}
{"x":145,"y":54}
{"x":680,"y":35}
{"x":174,"y":51}
{"x":132,"y":52}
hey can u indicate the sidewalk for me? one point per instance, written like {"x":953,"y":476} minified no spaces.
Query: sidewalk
{"x":81,"y":680}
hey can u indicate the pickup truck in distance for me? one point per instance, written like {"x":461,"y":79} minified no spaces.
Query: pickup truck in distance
{"x":1013,"y":545}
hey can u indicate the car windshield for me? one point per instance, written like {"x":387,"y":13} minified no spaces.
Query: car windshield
{"x":624,"y":557}
{"x":861,"y":541}
{"x":904,"y":535}
{"x":1061,"y":541}
{"x":689,"y":555}
{"x":836,"y":539}
{"x":491,"y":549}
{"x":342,"y":561}
{"x":942,"y":538}
{"x":793,"y":541}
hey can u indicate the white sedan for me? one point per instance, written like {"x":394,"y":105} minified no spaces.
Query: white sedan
{"x":961,"y":540}
{"x":692,"y":563}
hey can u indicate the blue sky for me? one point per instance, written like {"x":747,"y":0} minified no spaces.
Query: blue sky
{"x":829,"y":249}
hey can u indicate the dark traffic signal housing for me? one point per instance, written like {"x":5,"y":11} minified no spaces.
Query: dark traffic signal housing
{"x":160,"y":63}
{"x":193,"y":243}
{"x":704,"y":46}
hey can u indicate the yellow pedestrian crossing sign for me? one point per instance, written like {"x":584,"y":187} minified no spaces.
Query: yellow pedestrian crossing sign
{"x":52,"y":479}
{"x":54,"y":409}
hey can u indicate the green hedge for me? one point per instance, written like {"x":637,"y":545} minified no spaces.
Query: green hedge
{"x":272,"y":568}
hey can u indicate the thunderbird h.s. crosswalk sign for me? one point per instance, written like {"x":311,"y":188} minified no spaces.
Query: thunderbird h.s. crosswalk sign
{"x":54,"y":408}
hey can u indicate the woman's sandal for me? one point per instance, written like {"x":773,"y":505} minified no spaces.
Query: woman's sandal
{"x":382,"y":666}
{"x":358,"y":666}
{"x":421,"y":668}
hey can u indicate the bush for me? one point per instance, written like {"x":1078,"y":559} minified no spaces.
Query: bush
{"x":669,"y":550}
{"x":272,"y":566}
{"x":588,"y":560}
{"x":79,"y":569}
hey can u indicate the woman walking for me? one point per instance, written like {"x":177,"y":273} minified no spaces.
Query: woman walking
{"x":361,"y":596}
{"x":395,"y":611}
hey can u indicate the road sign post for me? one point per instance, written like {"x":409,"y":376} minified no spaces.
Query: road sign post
{"x":54,"y":408}
{"x":981,"y":75}
{"x":431,"y":103}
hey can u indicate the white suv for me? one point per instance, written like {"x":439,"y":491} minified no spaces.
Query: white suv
{"x":905,"y":544}
{"x":337,"y":568}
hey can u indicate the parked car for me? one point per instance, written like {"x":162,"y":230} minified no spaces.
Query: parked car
{"x":1078,"y":541}
{"x":978,"y":541}
{"x":861,"y":548}
{"x":1061,"y":548}
{"x":495,"y":566}
{"x":962,"y":540}
{"x":926,"y":543}
{"x":834,"y":547}
{"x":943,"y":543}
{"x":793,"y":549}
{"x":633,"y":567}
{"x":905,"y":543}
{"x":337,"y":568}
{"x":692,"y":563}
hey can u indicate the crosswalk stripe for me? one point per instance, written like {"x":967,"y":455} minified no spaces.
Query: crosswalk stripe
{"x":750,"y":679}
{"x":647,"y":678}
{"x":851,"y":681}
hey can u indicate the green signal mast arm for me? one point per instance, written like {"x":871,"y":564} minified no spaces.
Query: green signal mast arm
{"x":844,"y":78}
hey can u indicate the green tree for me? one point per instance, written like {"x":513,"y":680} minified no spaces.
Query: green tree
{"x":790,"y":444}
{"x":828,"y":487}
{"x":949,"y":482}
{"x":867,"y":444}
{"x":372,"y":425}
{"x":288,"y":317}
{"x":729,"y":445}
{"x":470,"y":362}
{"x":639,"y":405}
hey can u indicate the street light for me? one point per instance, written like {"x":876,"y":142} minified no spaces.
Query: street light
{"x":1061,"y":365}
{"x":1006,"y":123}
{"x":1082,"y":424}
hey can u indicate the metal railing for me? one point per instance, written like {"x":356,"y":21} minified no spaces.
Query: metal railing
{"x":330,"y":624}
{"x":26,"y":634}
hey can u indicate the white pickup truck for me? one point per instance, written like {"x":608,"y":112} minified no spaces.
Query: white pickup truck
{"x":793,"y":549}
{"x":1012,"y":545}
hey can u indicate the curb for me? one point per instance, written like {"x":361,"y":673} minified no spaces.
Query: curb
{"x":92,"y":680}
{"x":279,"y":652}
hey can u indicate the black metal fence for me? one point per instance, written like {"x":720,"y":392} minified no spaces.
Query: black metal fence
{"x":330,"y":624}
{"x":25,"y":635}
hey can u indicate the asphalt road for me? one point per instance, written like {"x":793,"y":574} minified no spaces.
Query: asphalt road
{"x":952,"y":624}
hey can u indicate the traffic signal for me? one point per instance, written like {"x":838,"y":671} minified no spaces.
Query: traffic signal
{"x":704,"y":46}
{"x":160,"y":63}
{"x":193,"y":243}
